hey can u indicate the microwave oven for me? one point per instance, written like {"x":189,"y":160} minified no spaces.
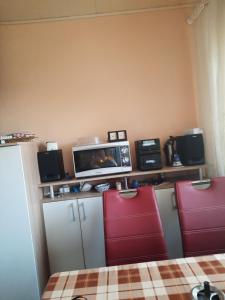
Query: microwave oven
{"x":101,"y":159}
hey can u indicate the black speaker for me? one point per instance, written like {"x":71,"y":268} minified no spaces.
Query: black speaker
{"x":51,"y":166}
{"x":190,"y":149}
{"x":148,"y":154}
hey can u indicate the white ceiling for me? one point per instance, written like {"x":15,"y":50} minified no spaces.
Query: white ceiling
{"x":25,"y":10}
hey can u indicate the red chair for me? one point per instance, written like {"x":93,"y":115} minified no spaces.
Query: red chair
{"x":133,"y":230}
{"x":202,"y":217}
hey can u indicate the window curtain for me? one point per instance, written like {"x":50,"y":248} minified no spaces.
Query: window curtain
{"x":209,"y":32}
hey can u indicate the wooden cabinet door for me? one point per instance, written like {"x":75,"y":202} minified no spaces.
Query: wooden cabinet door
{"x":91,"y":219}
{"x":170,"y":221}
{"x":63,"y":232}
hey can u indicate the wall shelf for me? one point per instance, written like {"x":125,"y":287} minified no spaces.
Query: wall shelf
{"x":81,"y":195}
{"x":125,"y":176}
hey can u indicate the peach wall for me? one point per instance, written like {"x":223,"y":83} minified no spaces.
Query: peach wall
{"x":65,"y":80}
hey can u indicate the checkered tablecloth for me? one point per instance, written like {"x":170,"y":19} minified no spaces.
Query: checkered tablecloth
{"x":162,"y":280}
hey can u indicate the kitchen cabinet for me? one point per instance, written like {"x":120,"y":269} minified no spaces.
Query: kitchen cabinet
{"x":170,"y":221}
{"x":62,"y":225}
{"x":91,"y":220}
{"x":74,"y":231}
{"x":75,"y":235}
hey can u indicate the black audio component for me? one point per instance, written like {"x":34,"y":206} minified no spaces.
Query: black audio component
{"x":190,"y":149}
{"x":148,"y":154}
{"x":51,"y":166}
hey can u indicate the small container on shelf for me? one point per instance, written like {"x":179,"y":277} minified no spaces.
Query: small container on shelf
{"x":64,"y":189}
{"x":135,"y":184}
{"x":118,"y":186}
{"x":102,"y":187}
{"x":85,"y":187}
{"x":75,"y":189}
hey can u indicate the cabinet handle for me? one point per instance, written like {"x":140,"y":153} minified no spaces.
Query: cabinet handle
{"x":73,"y":213}
{"x":83,"y":210}
{"x":173,"y":200}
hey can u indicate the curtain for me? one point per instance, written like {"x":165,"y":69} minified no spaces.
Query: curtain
{"x":210,"y":77}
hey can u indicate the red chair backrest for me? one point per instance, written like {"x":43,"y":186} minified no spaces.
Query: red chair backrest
{"x":202,"y":217}
{"x":133,"y":230}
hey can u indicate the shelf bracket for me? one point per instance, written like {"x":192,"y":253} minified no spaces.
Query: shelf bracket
{"x":200,"y":174}
{"x":51,"y":189}
{"x":125,"y":183}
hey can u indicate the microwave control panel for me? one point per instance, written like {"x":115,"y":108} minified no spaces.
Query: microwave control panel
{"x":125,"y":156}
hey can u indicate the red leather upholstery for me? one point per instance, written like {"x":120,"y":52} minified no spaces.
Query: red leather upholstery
{"x":202,"y":217}
{"x":133,"y":230}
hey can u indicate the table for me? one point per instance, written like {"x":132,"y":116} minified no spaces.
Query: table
{"x":161,"y":280}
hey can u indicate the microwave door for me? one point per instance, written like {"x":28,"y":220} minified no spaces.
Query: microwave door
{"x":102,"y":159}
{"x":85,"y":160}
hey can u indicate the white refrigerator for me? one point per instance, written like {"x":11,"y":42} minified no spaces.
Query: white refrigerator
{"x":23,"y":258}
